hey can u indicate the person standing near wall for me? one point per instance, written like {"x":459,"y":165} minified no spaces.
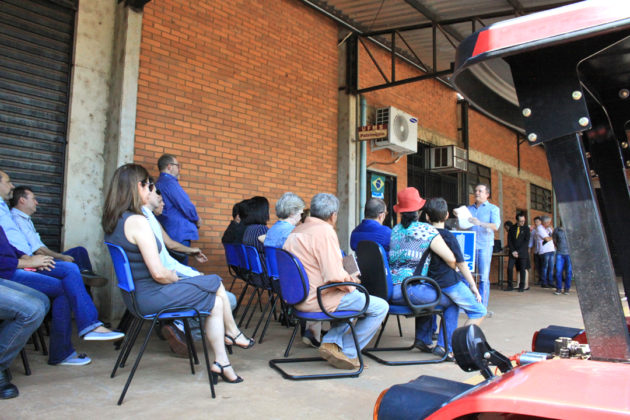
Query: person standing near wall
{"x":179,"y":218}
{"x":486,"y":219}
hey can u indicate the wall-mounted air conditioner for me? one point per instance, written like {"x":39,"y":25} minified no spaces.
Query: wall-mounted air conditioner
{"x":448,"y":159}
{"x":402,"y":131}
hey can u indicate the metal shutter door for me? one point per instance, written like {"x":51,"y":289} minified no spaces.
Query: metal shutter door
{"x":36,"y":38}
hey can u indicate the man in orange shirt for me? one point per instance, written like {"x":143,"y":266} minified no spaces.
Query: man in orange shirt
{"x":316,"y":245}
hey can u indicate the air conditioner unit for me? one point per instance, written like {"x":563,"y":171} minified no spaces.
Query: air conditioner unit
{"x":402,"y":131}
{"x":448,"y":159}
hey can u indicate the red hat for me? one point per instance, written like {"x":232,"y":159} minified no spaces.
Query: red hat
{"x":409,"y":200}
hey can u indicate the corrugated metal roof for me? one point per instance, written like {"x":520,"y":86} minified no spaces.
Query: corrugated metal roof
{"x":366,"y":16}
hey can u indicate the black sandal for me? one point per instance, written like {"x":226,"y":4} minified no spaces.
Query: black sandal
{"x":215,"y":375}
{"x":233,"y":340}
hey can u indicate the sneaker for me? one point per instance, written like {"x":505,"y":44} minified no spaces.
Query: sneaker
{"x":76,"y":360}
{"x":557,"y":292}
{"x":489,"y":314}
{"x":103,"y":336}
{"x":566,"y":292}
{"x":309,"y":339}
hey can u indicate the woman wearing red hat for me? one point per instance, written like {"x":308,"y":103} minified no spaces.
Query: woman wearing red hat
{"x":410,"y":244}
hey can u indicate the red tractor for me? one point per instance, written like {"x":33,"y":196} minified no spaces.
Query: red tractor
{"x":561,"y":78}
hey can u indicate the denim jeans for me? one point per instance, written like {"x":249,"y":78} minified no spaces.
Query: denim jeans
{"x":483,"y":261}
{"x":464,"y":298}
{"x":563,"y":262}
{"x":423,"y":293}
{"x":81,"y":257}
{"x":546,"y":269}
{"x":365,"y":328}
{"x":64,"y":286}
{"x":22,"y":311}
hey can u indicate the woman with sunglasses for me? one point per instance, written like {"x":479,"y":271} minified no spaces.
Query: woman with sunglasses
{"x":157,"y":287}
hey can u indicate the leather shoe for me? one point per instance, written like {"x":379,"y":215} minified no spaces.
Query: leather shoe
{"x":7,"y":389}
{"x":440,"y":352}
{"x":420,"y":345}
{"x":333,"y":355}
{"x":509,"y":289}
{"x":175,"y":340}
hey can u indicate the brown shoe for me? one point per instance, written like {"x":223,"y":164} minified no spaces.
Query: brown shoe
{"x":356,"y":363}
{"x":333,"y":355}
{"x":175,"y":340}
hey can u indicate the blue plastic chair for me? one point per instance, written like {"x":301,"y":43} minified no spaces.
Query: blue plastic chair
{"x":294,"y":288}
{"x":259,"y":268}
{"x":235,"y":263}
{"x":376,"y":277}
{"x":127,"y":288}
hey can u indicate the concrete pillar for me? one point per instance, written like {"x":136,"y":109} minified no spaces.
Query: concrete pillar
{"x":101,"y":128}
{"x":347,"y":152}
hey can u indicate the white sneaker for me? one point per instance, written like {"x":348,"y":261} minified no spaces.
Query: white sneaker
{"x":103,"y":336}
{"x":76,"y":360}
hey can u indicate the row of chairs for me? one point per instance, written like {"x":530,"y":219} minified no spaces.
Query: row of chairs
{"x":282,"y":276}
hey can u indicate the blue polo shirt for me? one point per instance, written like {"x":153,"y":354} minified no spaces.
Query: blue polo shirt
{"x":12,"y":231}
{"x":486,"y":213}
{"x":180,"y":215}
{"x":370,"y":230}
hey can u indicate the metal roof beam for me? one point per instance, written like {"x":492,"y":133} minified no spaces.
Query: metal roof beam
{"x":471,"y":18}
{"x":434,"y":18}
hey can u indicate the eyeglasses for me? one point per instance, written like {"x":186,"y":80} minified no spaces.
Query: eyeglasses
{"x":157,"y":191}
{"x":145,"y":182}
{"x":176,"y":164}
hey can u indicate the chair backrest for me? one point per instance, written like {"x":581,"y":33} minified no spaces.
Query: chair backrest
{"x":235,"y":256}
{"x":272,"y":264}
{"x":292,"y":278}
{"x":374,"y":266}
{"x":122,"y":268}
{"x":253,"y":259}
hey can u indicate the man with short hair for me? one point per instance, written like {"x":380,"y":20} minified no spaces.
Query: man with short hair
{"x":24,"y":205}
{"x":547,"y":251}
{"x":316,"y":245}
{"x":179,"y":218}
{"x":533,"y":245}
{"x":486,"y":219}
{"x":563,"y":261}
{"x":518,"y":249}
{"x":371,"y":228}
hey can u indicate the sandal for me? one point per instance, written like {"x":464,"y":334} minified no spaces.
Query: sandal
{"x":233,"y":342}
{"x":440,"y":352}
{"x":215,"y":375}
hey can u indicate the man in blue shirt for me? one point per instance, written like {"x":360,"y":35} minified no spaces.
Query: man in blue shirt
{"x":179,"y":218}
{"x":371,"y":228}
{"x":486,"y":219}
{"x":24,"y":205}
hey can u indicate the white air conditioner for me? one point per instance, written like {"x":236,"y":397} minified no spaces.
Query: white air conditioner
{"x":402,"y":131}
{"x":448,"y":159}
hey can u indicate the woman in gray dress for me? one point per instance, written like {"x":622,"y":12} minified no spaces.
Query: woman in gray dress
{"x":156,"y":286}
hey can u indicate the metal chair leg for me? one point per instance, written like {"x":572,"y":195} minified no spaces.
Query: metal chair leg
{"x":192,"y":354}
{"x":260,"y":320}
{"x":380,"y":333}
{"x":134,"y":336}
{"x":135,"y":365}
{"x":273,"y":311}
{"x":205,"y":354}
{"x":127,"y":342}
{"x":251,"y":315}
{"x":27,"y":367}
{"x":247,"y":308}
{"x":240,"y":299}
{"x":399,"y":326}
{"x":295,"y":330}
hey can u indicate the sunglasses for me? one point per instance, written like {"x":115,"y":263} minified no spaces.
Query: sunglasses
{"x":145,"y":182}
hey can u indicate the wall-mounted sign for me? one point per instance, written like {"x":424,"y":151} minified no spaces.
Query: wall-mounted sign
{"x":370,"y":132}
{"x":466,"y":240}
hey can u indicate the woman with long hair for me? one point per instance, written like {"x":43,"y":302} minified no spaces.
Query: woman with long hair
{"x":157,"y":287}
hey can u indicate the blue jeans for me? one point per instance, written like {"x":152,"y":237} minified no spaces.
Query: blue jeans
{"x":483,"y":259}
{"x":423,"y":293}
{"x":464,"y":298}
{"x":22,"y":311}
{"x":365,"y":327}
{"x":563,"y":262}
{"x":64,"y":286}
{"x":81,"y":257}
{"x":546,"y":269}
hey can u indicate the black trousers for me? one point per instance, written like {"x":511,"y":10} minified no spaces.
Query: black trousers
{"x":523,"y":265}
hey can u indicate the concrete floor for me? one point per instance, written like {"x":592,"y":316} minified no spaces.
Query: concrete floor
{"x":163,"y":387}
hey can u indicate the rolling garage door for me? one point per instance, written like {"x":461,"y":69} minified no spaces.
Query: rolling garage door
{"x":36,"y":39}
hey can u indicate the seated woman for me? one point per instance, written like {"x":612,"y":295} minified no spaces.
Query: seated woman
{"x":256,"y":218}
{"x":157,"y":287}
{"x":409,"y":249}
{"x":289,"y":210}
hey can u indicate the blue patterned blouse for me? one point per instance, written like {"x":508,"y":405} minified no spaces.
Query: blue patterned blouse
{"x":406,"y":248}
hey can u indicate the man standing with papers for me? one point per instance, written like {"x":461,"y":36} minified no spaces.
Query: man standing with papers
{"x":486,"y":220}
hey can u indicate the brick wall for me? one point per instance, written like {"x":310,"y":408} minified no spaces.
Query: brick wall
{"x":245,"y":95}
